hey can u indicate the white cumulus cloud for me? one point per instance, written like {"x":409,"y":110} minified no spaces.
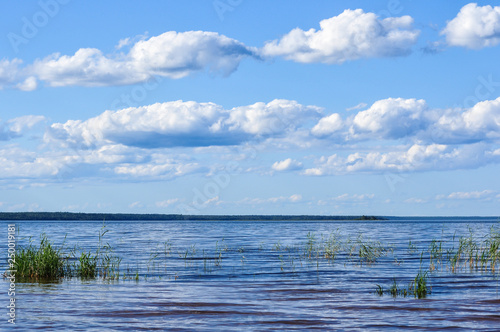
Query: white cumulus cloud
{"x":10,"y":73}
{"x":478,"y":123}
{"x":167,"y":202}
{"x":158,"y":170}
{"x":351,"y":35}
{"x":187,"y":124}
{"x":287,"y":165}
{"x":474,"y":27}
{"x":171,"y":139}
{"x":353,"y":197}
{"x":415,"y":158}
{"x":414,"y":200}
{"x":171,"y":54}
{"x":391,"y":118}
{"x":466,"y":195}
{"x":328,"y":125}
{"x":161,"y":124}
{"x":17,"y":127}
{"x":16,"y":162}
{"x":275,"y":117}
{"x":280,"y":199}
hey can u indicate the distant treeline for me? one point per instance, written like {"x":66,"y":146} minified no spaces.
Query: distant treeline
{"x":168,"y":217}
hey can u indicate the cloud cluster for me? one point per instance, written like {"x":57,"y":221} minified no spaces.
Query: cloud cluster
{"x":351,"y":35}
{"x":171,"y":168}
{"x":347,"y":200}
{"x":470,"y":194}
{"x":410,"y":135}
{"x":474,"y":27}
{"x":166,"y":140}
{"x":13,"y":76}
{"x":353,"y":197}
{"x":171,"y":54}
{"x":167,"y":202}
{"x":486,"y":195}
{"x":295,"y":198}
{"x":412,"y":119}
{"x":17,"y":127}
{"x":187,"y":124}
{"x":478,"y":123}
{"x":433,"y":157}
{"x":19,"y":163}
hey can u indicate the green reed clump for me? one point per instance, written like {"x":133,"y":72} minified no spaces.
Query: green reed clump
{"x":310,"y":245}
{"x":436,"y":254}
{"x":108,"y":264}
{"x":418,"y":287}
{"x":368,"y":251}
{"x":49,"y":262}
{"x":469,"y":248}
{"x":412,"y":247}
{"x":394,"y":290}
{"x":397,"y":291}
{"x":491,"y":251}
{"x":436,"y":249}
{"x":476,"y":254}
{"x":218,"y":253}
{"x":87,"y":265}
{"x":332,"y":246}
{"x":42,"y":262}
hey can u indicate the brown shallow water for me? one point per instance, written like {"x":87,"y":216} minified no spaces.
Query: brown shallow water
{"x":264,"y":280}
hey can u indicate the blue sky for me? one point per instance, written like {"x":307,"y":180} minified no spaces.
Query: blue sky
{"x":250,"y":107}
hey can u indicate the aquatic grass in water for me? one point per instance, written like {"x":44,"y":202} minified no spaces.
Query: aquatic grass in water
{"x":43,"y":262}
{"x":46,"y":262}
{"x":87,"y":267}
{"x":310,"y":245}
{"x":492,"y":248}
{"x":317,"y":253}
{"x":368,"y":251}
{"x":332,"y":246}
{"x":249,"y":283}
{"x":108,"y":263}
{"x":412,"y":247}
{"x":475,"y":254}
{"x":418,"y":287}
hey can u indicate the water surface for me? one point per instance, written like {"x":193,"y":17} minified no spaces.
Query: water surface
{"x":217,"y":276}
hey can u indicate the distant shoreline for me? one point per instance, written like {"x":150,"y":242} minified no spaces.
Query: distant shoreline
{"x":71,"y":216}
{"x":77,"y":216}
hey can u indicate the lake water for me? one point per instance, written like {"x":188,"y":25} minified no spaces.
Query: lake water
{"x":218,"y":276}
